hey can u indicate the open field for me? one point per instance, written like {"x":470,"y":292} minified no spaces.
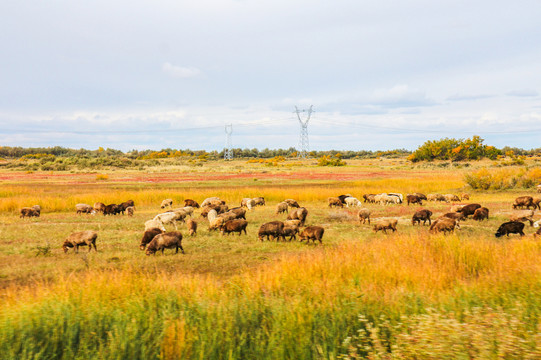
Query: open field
{"x":408,"y":294}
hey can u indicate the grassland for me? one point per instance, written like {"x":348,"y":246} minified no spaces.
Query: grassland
{"x":403,"y":295}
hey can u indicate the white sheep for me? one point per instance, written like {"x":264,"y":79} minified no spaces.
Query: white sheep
{"x":170,"y":218}
{"x":352,"y":201}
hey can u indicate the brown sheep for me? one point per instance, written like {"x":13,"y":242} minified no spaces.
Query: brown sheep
{"x":239,"y":212}
{"x":420,"y":195}
{"x":167,"y":203}
{"x":292,"y":203}
{"x":435,"y":197}
{"x":414,"y":199}
{"x":274,"y":229}
{"x":480,"y":214}
{"x":443,"y":224}
{"x":312,"y":233}
{"x":111,"y":209}
{"x":386,"y":224}
{"x":29,"y":212}
{"x":537,"y":202}
{"x":81,"y":238}
{"x":126,"y":204}
{"x":148,"y":236}
{"x":216,"y":223}
{"x":281,"y":208}
{"x":524,"y":201}
{"x":298,"y":214}
{"x":455,"y":216}
{"x":369,"y":198}
{"x":465,"y":196}
{"x":364,"y":215}
{"x":237,"y":225}
{"x":192,"y":227}
{"x":469,"y":209}
{"x":259,"y":201}
{"x":192,"y":203}
{"x":522,"y":215}
{"x":130,"y":210}
{"x":84,"y":209}
{"x":343,"y":198}
{"x":99,"y":207}
{"x":334,"y":201}
{"x":510,"y":227}
{"x":164,"y":241}
{"x":451,"y":197}
{"x":422,"y":215}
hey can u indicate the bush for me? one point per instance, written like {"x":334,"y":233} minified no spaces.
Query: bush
{"x":485,"y":179}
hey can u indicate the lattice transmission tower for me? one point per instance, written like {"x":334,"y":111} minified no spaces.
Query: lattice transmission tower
{"x":228,"y":151}
{"x":303,"y":140}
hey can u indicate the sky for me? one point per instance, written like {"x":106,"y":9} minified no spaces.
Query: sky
{"x":171,"y":74}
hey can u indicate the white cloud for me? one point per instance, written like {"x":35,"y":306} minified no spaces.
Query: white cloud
{"x":180,"y":71}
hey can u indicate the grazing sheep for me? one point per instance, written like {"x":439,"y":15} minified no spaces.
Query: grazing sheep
{"x":364,"y":215}
{"x":281,"y":208}
{"x":382,"y":199}
{"x":369,"y":198}
{"x":524,"y":201}
{"x":292,"y":203}
{"x":170,"y":218}
{"x":169,"y":240}
{"x":291,"y":231}
{"x":451,"y":197}
{"x":455,"y":216}
{"x":148,"y":235}
{"x":111,"y":209}
{"x":37,"y":208}
{"x":343,"y":198}
{"x":465,"y":196}
{"x":28,"y":212}
{"x":435,"y":197}
{"x":274,"y":229}
{"x":295,"y":223}
{"x":334,"y":201}
{"x":480,"y":214}
{"x":457,"y":208}
{"x":522,"y":215}
{"x":216,"y":223}
{"x":151,"y":224}
{"x":213,"y":214}
{"x":393,"y":199}
{"x":209,"y":200}
{"x":399,"y":196}
{"x":250,"y":204}
{"x":99,"y":207}
{"x":239,"y":212}
{"x":298,"y":214}
{"x":130,"y":210}
{"x":414,"y":199}
{"x":445,"y":225}
{"x":469,"y":209}
{"x":352,"y":201}
{"x":84,"y":209}
{"x":420,"y":196}
{"x":259,"y":201}
{"x":192,"y":203}
{"x":422,"y":215}
{"x":192,"y":227}
{"x":312,"y":233}
{"x":386,"y":224}
{"x":126,"y":204}
{"x":230,"y":215}
{"x":167,"y":203}
{"x":188,"y":210}
{"x":510,"y":227}
{"x":237,"y":225}
{"x":81,"y":238}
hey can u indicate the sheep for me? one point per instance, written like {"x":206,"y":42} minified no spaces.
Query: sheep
{"x":420,"y":195}
{"x":298,"y":214}
{"x":259,"y":201}
{"x":130,"y":210}
{"x":84,"y":209}
{"x":393,"y":199}
{"x":524,"y":201}
{"x":230,"y":215}
{"x":343,"y":198}
{"x":386,"y":224}
{"x":422,"y":215}
{"x":382,"y":199}
{"x":37,"y":208}
{"x":399,"y":196}
{"x":352,"y":201}
{"x":148,"y":235}
{"x":237,"y":225}
{"x":537,"y":202}
{"x":435,"y":197}
{"x":522,"y":215}
{"x":465,"y":196}
{"x":457,"y":208}
{"x":28,"y":212}
{"x":414,"y":199}
{"x":312,"y":233}
{"x":150,"y":224}
{"x":164,"y":241}
{"x":510,"y":227}
{"x":451,"y":197}
{"x":126,"y":204}
{"x":469,"y":209}
{"x":291,"y":228}
{"x":99,"y":207}
{"x":167,"y":203}
{"x":239,"y":212}
{"x":334,"y":201}
{"x":170,"y":218}
{"x":250,"y":204}
{"x":363,"y":215}
{"x":209,"y":200}
{"x":292,"y":203}
{"x":274,"y":229}
{"x":111,"y":209}
{"x":445,"y":225}
{"x":480,"y":214}
{"x":212,"y":215}
{"x":192,"y":203}
{"x":188,"y":210}
{"x":281,"y":208}
{"x":216,"y":223}
{"x":369,"y":198}
{"x":192,"y":227}
{"x":455,"y":216}
{"x":244,"y":202}
{"x":81,"y":238}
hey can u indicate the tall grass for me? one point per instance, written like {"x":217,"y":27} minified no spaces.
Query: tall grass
{"x":300,"y":307}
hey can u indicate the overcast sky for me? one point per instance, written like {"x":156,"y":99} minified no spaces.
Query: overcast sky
{"x":380,"y":74}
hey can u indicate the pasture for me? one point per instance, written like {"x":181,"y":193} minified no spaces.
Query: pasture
{"x":408,"y":294}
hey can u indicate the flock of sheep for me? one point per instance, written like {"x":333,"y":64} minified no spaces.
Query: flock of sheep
{"x":221,"y":218}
